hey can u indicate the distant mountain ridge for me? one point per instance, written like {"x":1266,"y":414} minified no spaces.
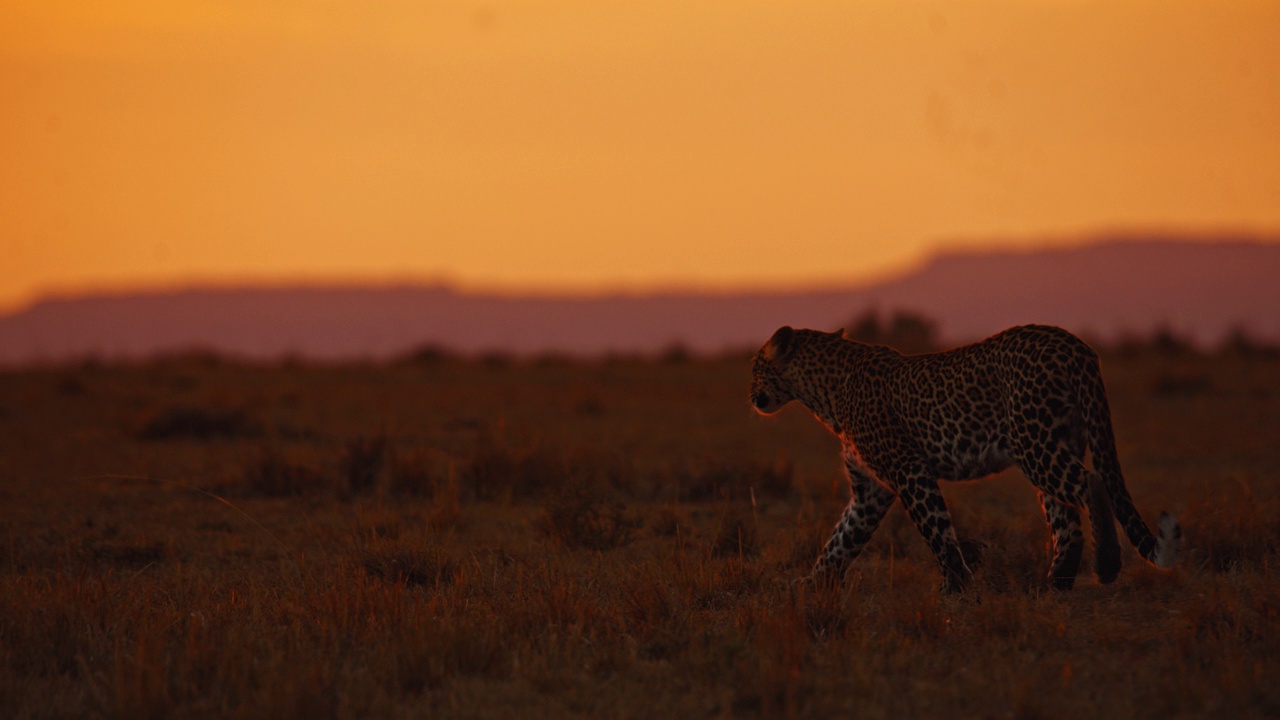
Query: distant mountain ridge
{"x":1199,"y":289}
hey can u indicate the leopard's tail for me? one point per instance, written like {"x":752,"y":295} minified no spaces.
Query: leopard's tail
{"x":1160,"y":551}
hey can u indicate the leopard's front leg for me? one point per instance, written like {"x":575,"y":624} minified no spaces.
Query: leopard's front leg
{"x":861,"y":517}
{"x":923,"y":500}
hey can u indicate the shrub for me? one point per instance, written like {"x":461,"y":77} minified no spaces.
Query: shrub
{"x":71,"y":385}
{"x":589,"y":406}
{"x":727,"y":480}
{"x":128,"y":555}
{"x":1183,"y":384}
{"x":1163,"y":342}
{"x":411,"y":474}
{"x":428,"y":355}
{"x":495,"y":360}
{"x":362,"y":461}
{"x":269,"y":473}
{"x":1239,"y":343}
{"x":497,"y":472}
{"x":1167,"y":343}
{"x":676,"y":354}
{"x":193,"y":422}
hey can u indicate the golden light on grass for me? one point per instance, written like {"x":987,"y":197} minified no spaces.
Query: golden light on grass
{"x":399,"y":574}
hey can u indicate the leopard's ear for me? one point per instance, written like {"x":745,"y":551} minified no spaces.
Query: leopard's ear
{"x":781,"y":344}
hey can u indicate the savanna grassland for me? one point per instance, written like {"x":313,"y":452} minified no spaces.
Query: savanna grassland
{"x":487,"y":538}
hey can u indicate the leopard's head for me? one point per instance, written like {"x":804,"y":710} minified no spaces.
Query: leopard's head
{"x":770,"y":388}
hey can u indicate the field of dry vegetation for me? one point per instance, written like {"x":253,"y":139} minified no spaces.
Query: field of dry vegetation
{"x":489,"y":538}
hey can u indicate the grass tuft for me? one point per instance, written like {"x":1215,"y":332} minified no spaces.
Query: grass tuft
{"x":668,"y":521}
{"x":580,"y":517}
{"x":129,"y":556}
{"x":737,"y":535}
{"x":417,"y":568}
{"x":268,"y":473}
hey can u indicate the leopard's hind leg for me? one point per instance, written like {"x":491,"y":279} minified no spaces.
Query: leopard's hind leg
{"x":1067,"y":486}
{"x":1066,"y":541}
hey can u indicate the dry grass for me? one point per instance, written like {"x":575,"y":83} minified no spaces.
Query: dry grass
{"x":555,"y":539}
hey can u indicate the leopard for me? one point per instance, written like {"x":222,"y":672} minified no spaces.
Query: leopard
{"x":1030,"y":397}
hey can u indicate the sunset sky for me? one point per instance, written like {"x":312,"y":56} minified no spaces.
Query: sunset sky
{"x":587,"y":145}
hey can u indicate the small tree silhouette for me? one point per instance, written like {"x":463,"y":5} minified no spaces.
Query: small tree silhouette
{"x":1240,"y":343}
{"x":904,"y":331}
{"x":1166,"y":342}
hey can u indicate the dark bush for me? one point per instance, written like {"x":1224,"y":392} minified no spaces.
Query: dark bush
{"x":725,"y":480}
{"x":411,"y":567}
{"x":411,"y":473}
{"x":269,"y":473}
{"x":496,"y":360}
{"x":192,"y":422}
{"x":362,"y":462}
{"x":589,"y":406}
{"x":498,"y":472}
{"x":553,"y":359}
{"x":71,"y":385}
{"x":1163,"y":342}
{"x":1167,"y":343}
{"x":130,"y":556}
{"x":427,"y":355}
{"x":676,"y":354}
{"x":1239,"y":343}
{"x":1184,"y":384}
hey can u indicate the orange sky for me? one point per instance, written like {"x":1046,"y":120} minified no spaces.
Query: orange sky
{"x":583,"y":145}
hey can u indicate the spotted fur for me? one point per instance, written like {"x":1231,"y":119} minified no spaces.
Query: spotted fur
{"x":1031,"y":396}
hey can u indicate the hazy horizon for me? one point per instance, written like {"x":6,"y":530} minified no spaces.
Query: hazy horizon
{"x":1202,"y":292}
{"x":462,"y":288}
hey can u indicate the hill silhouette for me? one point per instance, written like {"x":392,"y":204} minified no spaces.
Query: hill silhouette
{"x":1200,"y":290}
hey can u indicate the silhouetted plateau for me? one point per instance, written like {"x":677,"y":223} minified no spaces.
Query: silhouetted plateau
{"x":1199,"y":290}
